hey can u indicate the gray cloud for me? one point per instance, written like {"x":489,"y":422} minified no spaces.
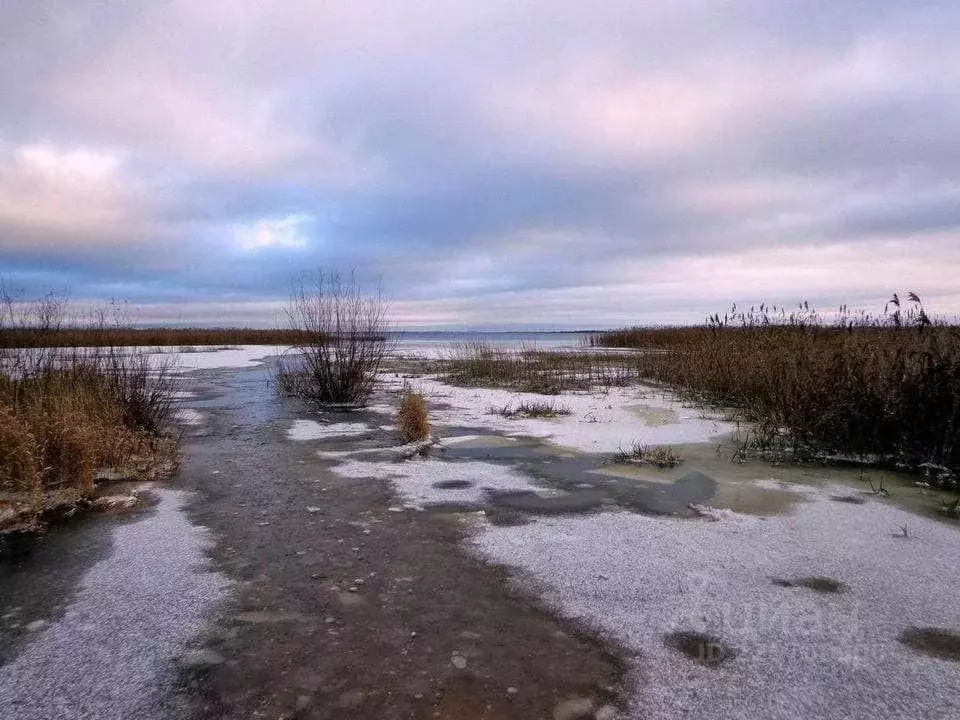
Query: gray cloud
{"x":571,"y":156}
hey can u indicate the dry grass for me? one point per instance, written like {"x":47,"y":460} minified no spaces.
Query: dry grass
{"x":186,"y":338}
{"x":882,"y":389}
{"x":532,"y":410}
{"x":413,"y":422}
{"x":660,"y":456}
{"x":537,"y":371}
{"x":65,"y":414}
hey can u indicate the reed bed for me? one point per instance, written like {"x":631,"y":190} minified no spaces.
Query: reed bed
{"x":548,"y":372}
{"x":77,"y":337}
{"x":67,"y":415}
{"x":881,"y":389}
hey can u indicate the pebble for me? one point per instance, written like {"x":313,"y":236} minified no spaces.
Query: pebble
{"x":607,"y":712}
{"x":458,"y":661}
{"x":575,"y":708}
{"x":202,"y":659}
{"x":35,"y":625}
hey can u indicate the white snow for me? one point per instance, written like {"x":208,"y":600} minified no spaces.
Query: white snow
{"x":415,"y":479}
{"x":240,"y":356}
{"x":801,"y":654}
{"x":134,"y":613}
{"x":313,"y":430}
{"x":600,"y":421}
{"x":189,"y":416}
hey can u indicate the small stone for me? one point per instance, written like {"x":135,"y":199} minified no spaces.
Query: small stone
{"x":575,"y":708}
{"x":202,"y":659}
{"x":263,"y":524}
{"x":35,"y":625}
{"x":512,"y":690}
{"x":350,"y":699}
{"x":313,"y":509}
{"x":458,"y":661}
{"x":607,"y":712}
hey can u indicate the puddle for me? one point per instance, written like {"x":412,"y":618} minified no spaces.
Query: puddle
{"x":452,"y":484}
{"x":699,"y":647}
{"x":469,"y":442}
{"x":817,"y":584}
{"x":634,"y":472}
{"x":749,"y":499}
{"x":652,"y":416}
{"x":933,"y":641}
{"x":535,"y":503}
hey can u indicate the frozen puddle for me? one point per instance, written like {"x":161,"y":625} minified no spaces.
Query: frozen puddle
{"x":189,"y":416}
{"x":313,"y":430}
{"x":134,"y":614}
{"x":425,"y":482}
{"x":791,"y":616}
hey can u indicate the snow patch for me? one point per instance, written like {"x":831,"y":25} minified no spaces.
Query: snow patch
{"x":600,"y":422}
{"x":799,"y":653}
{"x":312,"y":430}
{"x":416,"y":479}
{"x":189,"y":416}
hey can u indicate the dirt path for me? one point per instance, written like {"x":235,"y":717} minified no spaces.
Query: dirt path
{"x":344,"y":608}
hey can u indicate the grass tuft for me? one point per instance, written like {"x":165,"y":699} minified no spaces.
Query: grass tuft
{"x":660,"y":456}
{"x":413,"y":421}
{"x":532,"y":410}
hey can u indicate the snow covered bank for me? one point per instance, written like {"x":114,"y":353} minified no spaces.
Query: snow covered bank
{"x":600,"y":421}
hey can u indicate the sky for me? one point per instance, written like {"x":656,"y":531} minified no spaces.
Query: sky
{"x":495,"y":164}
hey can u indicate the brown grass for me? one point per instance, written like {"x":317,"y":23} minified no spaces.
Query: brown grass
{"x":66,"y":413}
{"x":413,"y":421}
{"x":537,"y":371}
{"x":882,"y":389}
{"x":76,"y":337}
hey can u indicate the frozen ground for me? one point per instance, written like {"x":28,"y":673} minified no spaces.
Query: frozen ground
{"x":312,"y":430}
{"x":599,"y":421}
{"x":796,"y":652}
{"x":113,"y":652}
{"x":239,"y":356}
{"x":793,"y":615}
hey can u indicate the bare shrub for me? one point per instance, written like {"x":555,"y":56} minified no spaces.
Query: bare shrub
{"x":345,"y":341}
{"x":413,"y":422}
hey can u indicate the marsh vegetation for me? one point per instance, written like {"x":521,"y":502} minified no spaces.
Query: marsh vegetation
{"x":67,"y":414}
{"x":879,"y":389}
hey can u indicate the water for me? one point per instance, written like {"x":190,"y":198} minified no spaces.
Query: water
{"x":437,"y":344}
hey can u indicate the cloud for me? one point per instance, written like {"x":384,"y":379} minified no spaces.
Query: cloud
{"x":289,"y":233}
{"x":629,"y":160}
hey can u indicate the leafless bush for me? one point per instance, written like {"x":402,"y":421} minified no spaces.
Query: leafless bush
{"x":345,"y":341}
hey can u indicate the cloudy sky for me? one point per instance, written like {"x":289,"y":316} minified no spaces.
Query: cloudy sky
{"x":498,"y":163}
